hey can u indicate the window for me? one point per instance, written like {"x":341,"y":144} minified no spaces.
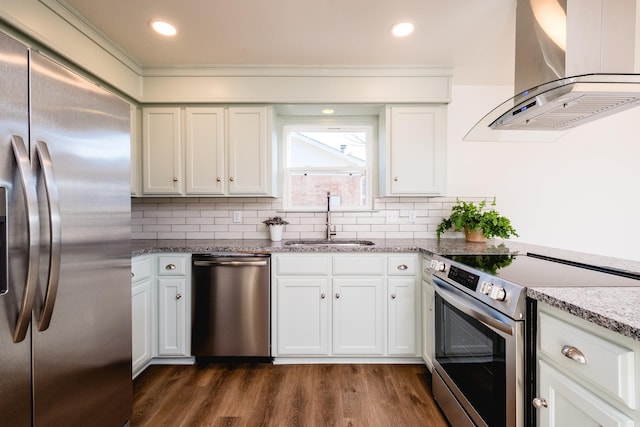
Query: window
{"x":327,"y":158}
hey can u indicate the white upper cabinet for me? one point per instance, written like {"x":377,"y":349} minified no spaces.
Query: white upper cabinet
{"x":205,"y":151}
{"x":412,"y":151}
{"x":162,"y":151}
{"x":226,"y":151}
{"x":248,"y":140}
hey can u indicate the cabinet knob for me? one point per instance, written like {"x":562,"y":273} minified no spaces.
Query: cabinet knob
{"x":218,"y":179}
{"x":337,"y":296}
{"x":574,"y":354}
{"x":170,"y":267}
{"x":178,"y":296}
{"x":323,"y":295}
{"x":132,"y":274}
{"x":395,"y":178}
{"x":393,"y":295}
{"x":539,"y":403}
{"x":402,"y":267}
{"x":231,"y":178}
{"x":175,"y":179}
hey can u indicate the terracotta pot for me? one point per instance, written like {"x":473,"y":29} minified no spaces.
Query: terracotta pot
{"x":474,"y":236}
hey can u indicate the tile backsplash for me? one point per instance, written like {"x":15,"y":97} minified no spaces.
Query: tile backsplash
{"x":213,"y":218}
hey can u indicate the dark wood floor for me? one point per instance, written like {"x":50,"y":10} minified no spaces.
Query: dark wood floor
{"x":262,"y":394}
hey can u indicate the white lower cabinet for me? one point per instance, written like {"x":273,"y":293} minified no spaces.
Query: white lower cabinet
{"x":141,"y":313}
{"x":344,"y":305}
{"x":587,"y":375}
{"x":303,"y":316}
{"x":160,"y":303}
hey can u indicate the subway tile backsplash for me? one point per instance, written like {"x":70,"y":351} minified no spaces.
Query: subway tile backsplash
{"x":213,"y":218}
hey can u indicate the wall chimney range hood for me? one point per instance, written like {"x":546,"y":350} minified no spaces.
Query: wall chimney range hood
{"x":576,"y":61}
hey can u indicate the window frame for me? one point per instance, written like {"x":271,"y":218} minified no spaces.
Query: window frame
{"x":369,"y":125}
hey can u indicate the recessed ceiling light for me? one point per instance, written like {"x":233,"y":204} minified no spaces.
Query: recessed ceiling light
{"x":163,"y":28}
{"x":402,"y":29}
{"x":328,"y":111}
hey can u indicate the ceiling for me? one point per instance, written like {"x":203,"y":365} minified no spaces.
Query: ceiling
{"x":475,"y":37}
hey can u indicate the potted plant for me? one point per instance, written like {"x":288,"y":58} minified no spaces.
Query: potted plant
{"x":477,"y":223}
{"x":275,"y":225}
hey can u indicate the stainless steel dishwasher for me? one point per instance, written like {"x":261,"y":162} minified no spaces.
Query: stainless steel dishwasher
{"x":231,"y":305}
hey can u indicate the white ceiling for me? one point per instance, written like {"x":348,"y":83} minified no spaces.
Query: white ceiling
{"x":475,"y":37}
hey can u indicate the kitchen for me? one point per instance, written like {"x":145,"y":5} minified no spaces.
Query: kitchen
{"x":547,"y":189}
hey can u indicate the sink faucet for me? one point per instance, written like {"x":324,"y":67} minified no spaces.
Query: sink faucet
{"x":330,"y":233}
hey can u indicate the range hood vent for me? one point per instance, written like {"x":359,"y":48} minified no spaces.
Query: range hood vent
{"x":586,"y":73}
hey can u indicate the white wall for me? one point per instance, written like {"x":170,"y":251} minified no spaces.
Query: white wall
{"x":581,"y":192}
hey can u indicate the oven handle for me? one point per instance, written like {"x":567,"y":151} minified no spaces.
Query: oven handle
{"x":477,"y":310}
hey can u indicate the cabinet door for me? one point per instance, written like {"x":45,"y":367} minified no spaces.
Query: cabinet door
{"x":204,"y":145}
{"x":415,"y":151}
{"x":303,"y":316}
{"x":403,"y":303}
{"x":141,"y":329}
{"x":570,"y":404}
{"x":136,"y":150}
{"x":428,"y":322}
{"x":248,"y":150}
{"x":162,"y":151}
{"x":358,"y":316}
{"x":172,"y":331}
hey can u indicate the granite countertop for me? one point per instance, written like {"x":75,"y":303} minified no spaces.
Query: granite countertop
{"x":613,"y":308}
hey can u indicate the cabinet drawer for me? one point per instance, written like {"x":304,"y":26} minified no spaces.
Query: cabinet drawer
{"x":358,"y":265}
{"x":610,"y":366}
{"x":172,"y":265}
{"x":303,"y":265}
{"x":140,"y":268}
{"x":402,"y":265}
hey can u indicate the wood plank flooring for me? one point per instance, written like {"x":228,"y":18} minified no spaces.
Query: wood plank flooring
{"x":262,"y":394}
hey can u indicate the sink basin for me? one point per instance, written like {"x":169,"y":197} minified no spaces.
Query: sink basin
{"x":328,"y":243}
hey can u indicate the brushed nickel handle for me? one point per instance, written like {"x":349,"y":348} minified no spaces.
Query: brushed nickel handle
{"x":337,"y":296}
{"x":393,"y":295}
{"x":170,"y":267}
{"x":402,"y":267}
{"x":574,"y":354}
{"x":178,"y":296}
{"x":539,"y":402}
{"x":175,"y":179}
{"x":323,"y":295}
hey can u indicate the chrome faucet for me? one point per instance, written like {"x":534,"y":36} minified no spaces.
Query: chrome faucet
{"x":330,"y":233}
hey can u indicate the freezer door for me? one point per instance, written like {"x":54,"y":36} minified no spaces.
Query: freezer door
{"x":15,"y":358}
{"x":80,"y":154}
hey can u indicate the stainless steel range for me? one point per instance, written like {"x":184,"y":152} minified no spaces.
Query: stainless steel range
{"x":484,"y":373}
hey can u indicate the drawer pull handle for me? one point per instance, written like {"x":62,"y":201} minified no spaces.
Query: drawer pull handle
{"x":323,"y":295}
{"x":178,"y":296}
{"x":539,"y":402}
{"x":574,"y":354}
{"x":170,"y":267}
{"x":402,"y":267}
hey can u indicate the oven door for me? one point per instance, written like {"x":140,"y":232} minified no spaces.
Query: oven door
{"x":478,"y":361}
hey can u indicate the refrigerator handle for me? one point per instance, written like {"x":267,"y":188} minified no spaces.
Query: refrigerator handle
{"x":33,"y":231}
{"x":53,"y":203}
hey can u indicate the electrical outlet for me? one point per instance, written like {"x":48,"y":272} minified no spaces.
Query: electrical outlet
{"x":392,"y":216}
{"x":412,"y":216}
{"x":237,"y":216}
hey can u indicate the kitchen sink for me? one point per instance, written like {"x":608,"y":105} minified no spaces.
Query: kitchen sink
{"x":322,"y":242}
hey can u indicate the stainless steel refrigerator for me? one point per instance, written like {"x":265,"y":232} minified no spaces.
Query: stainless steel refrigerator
{"x":65,"y":295}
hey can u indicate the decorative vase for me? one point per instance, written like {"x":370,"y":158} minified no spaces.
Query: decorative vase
{"x":276,"y":232}
{"x":476,"y":236}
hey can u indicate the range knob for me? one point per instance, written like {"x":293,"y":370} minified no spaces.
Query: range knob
{"x":438,"y":265}
{"x":485,"y":287}
{"x":497,"y":293}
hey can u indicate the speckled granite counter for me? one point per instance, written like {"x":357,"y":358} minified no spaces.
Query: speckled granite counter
{"x":613,"y":308}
